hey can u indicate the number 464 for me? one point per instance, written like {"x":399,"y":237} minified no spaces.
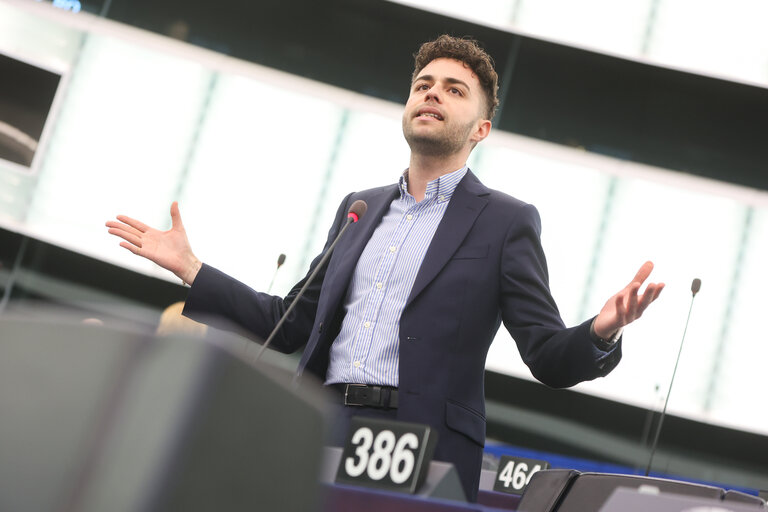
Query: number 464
{"x":517,"y":475}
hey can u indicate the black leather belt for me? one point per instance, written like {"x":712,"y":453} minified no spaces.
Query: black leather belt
{"x":366,"y":395}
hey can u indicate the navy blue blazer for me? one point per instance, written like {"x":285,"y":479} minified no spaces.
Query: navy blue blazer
{"x":485,"y":266}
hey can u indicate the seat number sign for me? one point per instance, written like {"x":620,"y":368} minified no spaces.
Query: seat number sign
{"x":385,"y":454}
{"x":514,"y":473}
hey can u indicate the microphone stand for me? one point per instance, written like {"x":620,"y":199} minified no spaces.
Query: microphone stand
{"x":353,"y":216}
{"x":280,"y":261}
{"x":695,"y":287}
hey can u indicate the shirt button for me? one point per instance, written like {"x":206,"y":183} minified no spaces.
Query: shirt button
{"x":378,"y":286}
{"x":357,"y":364}
{"x":409,"y":217}
{"x":392,"y":249}
{"x":367,"y":324}
{"x":441,"y":198}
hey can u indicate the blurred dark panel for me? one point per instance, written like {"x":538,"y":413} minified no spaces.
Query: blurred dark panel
{"x":49,"y":260}
{"x":10,"y":244}
{"x":362,"y":45}
{"x":648,"y":114}
{"x":46,"y":272}
{"x":112,"y":419}
{"x":26,"y":96}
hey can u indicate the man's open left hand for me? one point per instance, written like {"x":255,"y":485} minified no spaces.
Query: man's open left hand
{"x":628,"y":305}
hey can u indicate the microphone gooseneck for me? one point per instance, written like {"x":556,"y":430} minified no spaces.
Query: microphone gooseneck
{"x":355,"y":212}
{"x":695,"y":287}
{"x":280,"y":261}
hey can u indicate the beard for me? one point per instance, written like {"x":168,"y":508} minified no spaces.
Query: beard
{"x":449,"y":141}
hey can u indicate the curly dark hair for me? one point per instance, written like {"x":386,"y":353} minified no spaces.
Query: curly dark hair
{"x":468,"y":51}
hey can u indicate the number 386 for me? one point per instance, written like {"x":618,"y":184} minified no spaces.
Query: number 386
{"x":382,"y":455}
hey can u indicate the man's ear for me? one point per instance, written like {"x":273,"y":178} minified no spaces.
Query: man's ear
{"x":482,"y":129}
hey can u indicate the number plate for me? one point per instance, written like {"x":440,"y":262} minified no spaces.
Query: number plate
{"x":514,"y":473}
{"x":390,"y":455}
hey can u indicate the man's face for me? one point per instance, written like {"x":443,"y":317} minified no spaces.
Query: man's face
{"x":443,"y":114}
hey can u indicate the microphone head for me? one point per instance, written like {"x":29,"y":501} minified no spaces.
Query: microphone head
{"x":280,"y":260}
{"x":357,"y":210}
{"x":696,"y":286}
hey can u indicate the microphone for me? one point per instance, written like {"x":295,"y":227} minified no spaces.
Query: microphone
{"x":355,"y":212}
{"x":695,"y":287}
{"x":280,"y":261}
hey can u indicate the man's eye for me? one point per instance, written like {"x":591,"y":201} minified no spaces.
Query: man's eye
{"x":422,"y":87}
{"x":455,"y":91}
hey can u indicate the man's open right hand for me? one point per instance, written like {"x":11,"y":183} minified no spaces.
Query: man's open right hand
{"x":169,"y":249}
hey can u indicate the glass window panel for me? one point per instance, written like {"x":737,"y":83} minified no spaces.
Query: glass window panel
{"x":724,"y":38}
{"x":736,"y":399}
{"x":614,"y":27}
{"x":686,"y":234}
{"x":569,"y":227}
{"x":255,"y":177}
{"x":121,"y":141}
{"x":372,"y":153}
{"x":569,"y":223}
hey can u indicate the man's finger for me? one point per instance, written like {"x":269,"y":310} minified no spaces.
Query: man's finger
{"x":620,"y":305}
{"x":133,"y":223}
{"x":651,"y":293}
{"x":123,"y":227}
{"x":128,"y":237}
{"x":643,"y":273}
{"x":130,"y":247}
{"x":657,"y":292}
{"x":176,"y":215}
{"x":118,"y":232}
{"x":632,"y":301}
{"x":648,"y":296}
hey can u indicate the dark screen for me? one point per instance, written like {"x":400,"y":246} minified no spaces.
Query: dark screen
{"x":26,"y":96}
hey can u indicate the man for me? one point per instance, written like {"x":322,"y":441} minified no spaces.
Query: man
{"x":416,"y":290}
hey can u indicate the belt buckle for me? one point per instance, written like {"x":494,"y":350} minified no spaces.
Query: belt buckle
{"x":346,"y":393}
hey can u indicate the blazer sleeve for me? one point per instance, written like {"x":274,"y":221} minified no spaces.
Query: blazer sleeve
{"x":557,"y":356}
{"x":222,"y":301}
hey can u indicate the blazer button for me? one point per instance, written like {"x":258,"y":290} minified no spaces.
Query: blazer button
{"x":320,"y":328}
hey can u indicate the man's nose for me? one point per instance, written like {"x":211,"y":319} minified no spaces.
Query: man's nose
{"x":433,"y":94}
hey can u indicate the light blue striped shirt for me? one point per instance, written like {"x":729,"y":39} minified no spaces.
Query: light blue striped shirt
{"x":366,"y":349}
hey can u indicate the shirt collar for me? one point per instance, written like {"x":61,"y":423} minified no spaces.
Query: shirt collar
{"x":442,"y":187}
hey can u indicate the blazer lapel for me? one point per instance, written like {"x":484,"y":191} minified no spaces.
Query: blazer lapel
{"x":467,"y":202}
{"x":356,"y":239}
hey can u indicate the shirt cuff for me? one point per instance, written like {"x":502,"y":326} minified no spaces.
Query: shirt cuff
{"x":604,"y":343}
